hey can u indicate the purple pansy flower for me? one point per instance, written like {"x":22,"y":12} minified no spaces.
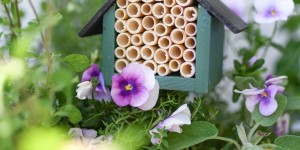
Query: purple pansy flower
{"x":270,"y":80}
{"x":283,"y":123}
{"x":182,"y":116}
{"x":101,"y":92}
{"x":269,"y":11}
{"x":135,"y":86}
{"x":265,"y":98}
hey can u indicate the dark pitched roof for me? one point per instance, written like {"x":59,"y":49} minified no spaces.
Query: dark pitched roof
{"x":214,"y":7}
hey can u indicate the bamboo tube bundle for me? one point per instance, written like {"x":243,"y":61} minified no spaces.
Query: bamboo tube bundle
{"x":122,"y":3}
{"x":120,"y":26}
{"x":133,"y":53}
{"x":163,"y":69}
{"x":147,"y":52}
{"x":136,"y":40}
{"x":134,"y":10}
{"x":161,"y":56}
{"x":120,"y":52}
{"x":146,"y":9}
{"x":148,"y":1}
{"x":180,"y":22}
{"x":187,"y":69}
{"x":177,"y":10}
{"x":120,"y":64}
{"x":190,"y":42}
{"x":191,"y":29}
{"x":162,"y":30}
{"x":149,"y":38}
{"x":123,"y":39}
{"x":159,"y":10}
{"x":121,"y":14}
{"x":170,"y":3}
{"x":178,"y":36}
{"x":169,"y":20}
{"x":134,"y":25}
{"x":189,"y":55}
{"x":149,"y":22}
{"x":151,"y":64}
{"x":185,"y":3}
{"x":138,"y":61}
{"x":165,"y":42}
{"x":176,"y":51}
{"x":190,"y":13}
{"x":175,"y":64}
{"x":134,"y":1}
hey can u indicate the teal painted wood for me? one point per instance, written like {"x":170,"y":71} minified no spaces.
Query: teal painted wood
{"x":109,"y":44}
{"x":176,"y":83}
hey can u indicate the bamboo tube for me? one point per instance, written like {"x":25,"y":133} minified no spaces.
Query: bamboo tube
{"x":185,"y":3}
{"x":120,"y":26}
{"x":175,"y":64}
{"x":180,"y":22}
{"x":121,"y":14}
{"x":134,"y":1}
{"x":191,"y":29}
{"x":138,"y":61}
{"x":176,"y":51}
{"x":190,"y":13}
{"x":164,"y":42}
{"x":120,"y":52}
{"x":187,"y":69}
{"x":163,"y":70}
{"x":134,"y":25}
{"x":136,"y":40}
{"x":151,"y":64}
{"x":178,"y":36}
{"x":170,"y":3}
{"x":177,"y":11}
{"x":190,"y":42}
{"x":161,"y":56}
{"x":122,"y":3}
{"x":149,"y":38}
{"x":133,"y":53}
{"x":146,"y":9}
{"x":189,"y":55}
{"x":149,"y":22}
{"x":134,"y":10}
{"x":159,"y":10}
{"x":169,"y":20}
{"x":148,"y":1}
{"x":162,"y":30}
{"x":147,"y":52}
{"x":120,"y":64}
{"x":123,"y":39}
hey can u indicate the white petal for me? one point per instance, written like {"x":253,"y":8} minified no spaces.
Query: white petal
{"x":252,"y":91}
{"x":75,"y":133}
{"x":153,"y":97}
{"x":175,"y":128}
{"x":285,"y":6}
{"x":263,"y":5}
{"x":251,"y":102}
{"x":179,"y":119}
{"x":182,"y":109}
{"x":276,"y":80}
{"x":262,"y":19}
{"x":149,"y":78}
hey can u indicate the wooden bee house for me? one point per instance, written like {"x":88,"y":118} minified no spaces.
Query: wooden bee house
{"x":180,"y":40}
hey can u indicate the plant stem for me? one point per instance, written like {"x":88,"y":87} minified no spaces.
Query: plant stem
{"x":18,"y":14}
{"x":11,"y":25}
{"x":228,"y":140}
{"x":251,"y":132}
{"x":270,"y":39}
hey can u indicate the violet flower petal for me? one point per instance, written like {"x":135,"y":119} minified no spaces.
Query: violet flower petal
{"x":251,"y":102}
{"x":91,"y":72}
{"x":120,"y":99}
{"x":271,"y":91}
{"x":267,"y":106}
{"x":153,"y":97}
{"x":140,"y":97}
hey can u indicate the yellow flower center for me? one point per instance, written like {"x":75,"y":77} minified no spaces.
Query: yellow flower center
{"x":273,"y":12}
{"x":128,"y":87}
{"x":264,"y":94}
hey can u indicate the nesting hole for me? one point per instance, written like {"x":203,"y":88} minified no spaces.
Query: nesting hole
{"x":132,"y":10}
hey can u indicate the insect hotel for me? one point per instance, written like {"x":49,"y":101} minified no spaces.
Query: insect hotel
{"x":180,"y":40}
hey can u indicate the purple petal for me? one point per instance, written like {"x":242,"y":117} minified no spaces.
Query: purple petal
{"x":101,"y":82}
{"x":119,"y":98}
{"x":267,"y":106}
{"x":135,"y":71}
{"x":139,"y":96}
{"x":153,"y":97}
{"x":101,"y":95}
{"x":251,"y":102}
{"x":91,"y":72}
{"x":272,"y":91}
{"x":253,"y":91}
{"x":276,"y":80}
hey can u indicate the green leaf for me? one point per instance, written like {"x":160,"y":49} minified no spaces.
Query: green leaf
{"x":288,"y":142}
{"x":237,"y":65}
{"x":243,"y":82}
{"x":293,"y":103}
{"x":73,"y":114}
{"x":259,"y":63}
{"x":193,"y":134}
{"x":77,"y":62}
{"x":270,"y":120}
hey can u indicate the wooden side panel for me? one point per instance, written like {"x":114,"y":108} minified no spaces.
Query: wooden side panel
{"x":216,"y":53}
{"x":202,"y":50}
{"x":109,"y":44}
{"x":176,"y":83}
